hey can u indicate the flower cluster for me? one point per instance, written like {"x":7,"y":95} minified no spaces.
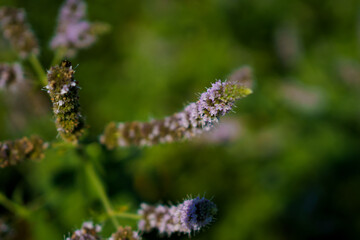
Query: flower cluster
{"x":125,"y":233}
{"x":88,"y":231}
{"x":187,"y":217}
{"x":18,"y":32}
{"x":10,"y":75}
{"x":13,"y":152}
{"x":63,"y":90}
{"x":194,"y":119}
{"x":74,"y":32}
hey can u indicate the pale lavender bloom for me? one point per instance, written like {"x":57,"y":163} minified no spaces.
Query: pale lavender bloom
{"x":187,"y":217}
{"x":17,"y":30}
{"x":10,"y":75}
{"x":196,"y":118}
{"x":74,"y":32}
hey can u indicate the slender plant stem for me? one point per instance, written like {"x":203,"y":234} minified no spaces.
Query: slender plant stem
{"x":13,"y":207}
{"x":127,"y":216}
{"x":90,"y":171}
{"x":59,"y":54}
{"x":38,"y":69}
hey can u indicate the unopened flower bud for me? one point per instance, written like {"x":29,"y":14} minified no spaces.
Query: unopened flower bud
{"x":63,"y":90}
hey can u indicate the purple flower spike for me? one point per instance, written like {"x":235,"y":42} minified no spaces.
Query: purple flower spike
{"x":196,"y":118}
{"x":74,"y":32}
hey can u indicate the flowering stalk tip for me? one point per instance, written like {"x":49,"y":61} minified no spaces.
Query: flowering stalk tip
{"x":63,"y":90}
{"x":73,"y":32}
{"x":196,"y":118}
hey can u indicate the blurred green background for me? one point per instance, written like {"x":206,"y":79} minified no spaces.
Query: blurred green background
{"x":293,"y":170}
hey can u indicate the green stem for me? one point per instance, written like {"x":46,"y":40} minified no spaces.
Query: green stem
{"x":90,"y":171}
{"x":38,"y":69}
{"x":59,"y":54}
{"x":127,"y":215}
{"x":13,"y":207}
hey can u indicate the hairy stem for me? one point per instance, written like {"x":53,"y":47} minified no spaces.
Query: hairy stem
{"x":13,"y":207}
{"x":127,"y":216}
{"x":38,"y":69}
{"x":59,"y":54}
{"x":94,"y":178}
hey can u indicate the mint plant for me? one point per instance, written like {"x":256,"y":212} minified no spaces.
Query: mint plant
{"x":73,"y":33}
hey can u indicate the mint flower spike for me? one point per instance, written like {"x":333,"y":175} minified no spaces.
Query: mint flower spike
{"x":196,"y":118}
{"x":17,"y":30}
{"x":73,"y":32}
{"x":11,"y":75}
{"x":63,"y":90}
{"x":88,"y":231}
{"x":190,"y":216}
{"x":16,"y":151}
{"x":125,"y":233}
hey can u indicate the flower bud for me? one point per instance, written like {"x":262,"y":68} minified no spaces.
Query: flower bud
{"x":63,"y":90}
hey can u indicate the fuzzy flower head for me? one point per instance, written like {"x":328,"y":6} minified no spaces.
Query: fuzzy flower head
{"x":196,"y":213}
{"x":74,"y":32}
{"x":187,"y":217}
{"x":63,"y":90}
{"x":88,"y":231}
{"x":10,"y":75}
{"x":17,"y":30}
{"x":216,"y":102}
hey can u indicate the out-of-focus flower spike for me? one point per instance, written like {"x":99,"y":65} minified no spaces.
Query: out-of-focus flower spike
{"x":88,"y":231}
{"x":190,"y":216}
{"x":125,"y":233}
{"x":11,"y":75}
{"x":74,"y":32}
{"x":13,"y":152}
{"x":63,"y":90}
{"x":196,"y":118}
{"x":243,"y":76}
{"x":17,"y":30}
